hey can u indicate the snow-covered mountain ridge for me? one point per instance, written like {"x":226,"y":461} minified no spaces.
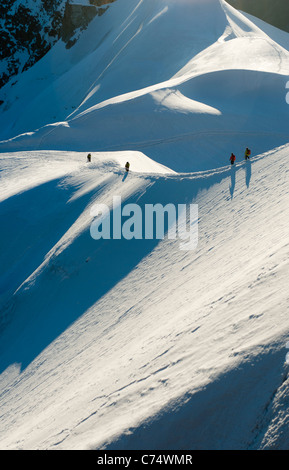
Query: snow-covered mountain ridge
{"x":136,"y":344}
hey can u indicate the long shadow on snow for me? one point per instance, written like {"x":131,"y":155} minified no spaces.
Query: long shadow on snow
{"x":233,"y":181}
{"x":26,"y":229}
{"x":248,"y":171}
{"x":79,"y":276}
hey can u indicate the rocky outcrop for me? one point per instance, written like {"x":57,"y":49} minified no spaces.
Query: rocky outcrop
{"x":78,"y":16}
{"x":30,"y":29}
{"x":27,"y":34}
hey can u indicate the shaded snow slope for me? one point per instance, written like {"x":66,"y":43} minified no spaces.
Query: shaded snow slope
{"x":30,"y":178}
{"x":102,"y":336}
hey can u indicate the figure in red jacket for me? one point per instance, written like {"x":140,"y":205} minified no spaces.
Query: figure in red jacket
{"x":232,"y":159}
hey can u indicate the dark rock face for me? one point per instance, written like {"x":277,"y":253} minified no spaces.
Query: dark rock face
{"x":274,"y":12}
{"x":79,"y":16}
{"x":27,"y":34}
{"x":29,"y":29}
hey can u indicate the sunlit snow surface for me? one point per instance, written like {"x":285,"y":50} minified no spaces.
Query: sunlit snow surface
{"x":123,"y":344}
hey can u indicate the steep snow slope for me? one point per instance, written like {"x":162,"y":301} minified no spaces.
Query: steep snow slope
{"x":117,"y":54}
{"x":186,"y":83}
{"x":29,"y":178}
{"x":105,"y":335}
